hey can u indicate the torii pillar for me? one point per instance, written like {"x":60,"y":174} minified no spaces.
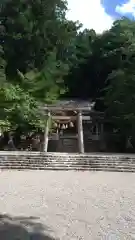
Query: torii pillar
{"x":80,"y":132}
{"x":46,"y":132}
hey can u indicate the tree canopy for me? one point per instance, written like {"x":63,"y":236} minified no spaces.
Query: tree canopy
{"x":35,"y":40}
{"x":44,"y":56}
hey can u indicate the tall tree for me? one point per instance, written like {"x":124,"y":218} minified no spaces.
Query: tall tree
{"x":33,"y":29}
{"x":36,"y":38}
{"x":77,"y":81}
{"x":101,"y":55}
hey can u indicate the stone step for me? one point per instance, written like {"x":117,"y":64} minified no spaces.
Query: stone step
{"x":67,"y":169}
{"x":68,"y":163}
{"x":54,"y":161}
{"x":71,"y":161}
{"x":30,"y":154}
{"x":67,"y":158}
{"x":67,"y":166}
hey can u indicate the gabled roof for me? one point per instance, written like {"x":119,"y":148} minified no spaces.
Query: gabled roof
{"x":70,"y":105}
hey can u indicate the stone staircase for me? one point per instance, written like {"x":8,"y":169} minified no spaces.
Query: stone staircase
{"x":64,"y":161}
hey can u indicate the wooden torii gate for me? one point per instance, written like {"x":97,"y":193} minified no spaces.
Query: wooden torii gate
{"x":64,"y":106}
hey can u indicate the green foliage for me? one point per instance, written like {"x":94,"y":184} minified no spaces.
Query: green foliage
{"x":98,"y":56}
{"x":2,"y":66}
{"x":78,"y":80}
{"x":17,"y":106}
{"x":36,"y":37}
{"x":105,"y":70}
{"x":48,"y":83}
{"x":43,"y":56}
{"x":32,"y":29}
{"x":120,"y":101}
{"x":120,"y":91}
{"x":20,"y":102}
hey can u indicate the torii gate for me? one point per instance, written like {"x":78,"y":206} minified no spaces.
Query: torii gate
{"x":64,"y":106}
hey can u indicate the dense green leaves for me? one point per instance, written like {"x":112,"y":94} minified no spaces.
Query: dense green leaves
{"x":120,"y":93}
{"x":35,"y":37}
{"x":43,"y":56}
{"x":106,"y":72}
{"x":32,"y":29}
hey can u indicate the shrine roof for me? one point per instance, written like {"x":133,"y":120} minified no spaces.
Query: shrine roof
{"x":70,"y":105}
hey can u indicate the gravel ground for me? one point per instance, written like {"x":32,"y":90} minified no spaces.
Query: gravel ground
{"x":39,"y":205}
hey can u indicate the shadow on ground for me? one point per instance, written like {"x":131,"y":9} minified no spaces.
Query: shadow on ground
{"x":23,"y":228}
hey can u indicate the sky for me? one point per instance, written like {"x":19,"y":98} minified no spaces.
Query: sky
{"x":99,"y":14}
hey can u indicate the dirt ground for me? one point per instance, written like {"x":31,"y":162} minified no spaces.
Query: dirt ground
{"x":46,"y":205}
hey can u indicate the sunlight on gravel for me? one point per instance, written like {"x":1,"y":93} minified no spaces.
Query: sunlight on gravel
{"x":73,"y":205}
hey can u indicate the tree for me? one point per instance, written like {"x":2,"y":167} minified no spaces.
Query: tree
{"x":21,"y":103}
{"x":36,"y":39}
{"x":97,"y":56}
{"x":3,"y":121}
{"x":120,"y":101}
{"x":119,"y":93}
{"x":32,"y":30}
{"x":78,"y":79}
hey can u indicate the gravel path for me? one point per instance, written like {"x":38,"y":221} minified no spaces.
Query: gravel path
{"x":39,"y":205}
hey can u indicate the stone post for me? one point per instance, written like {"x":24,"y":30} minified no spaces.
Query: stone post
{"x":46,"y":132}
{"x":97,"y":130}
{"x":80,"y":132}
{"x":102,"y":129}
